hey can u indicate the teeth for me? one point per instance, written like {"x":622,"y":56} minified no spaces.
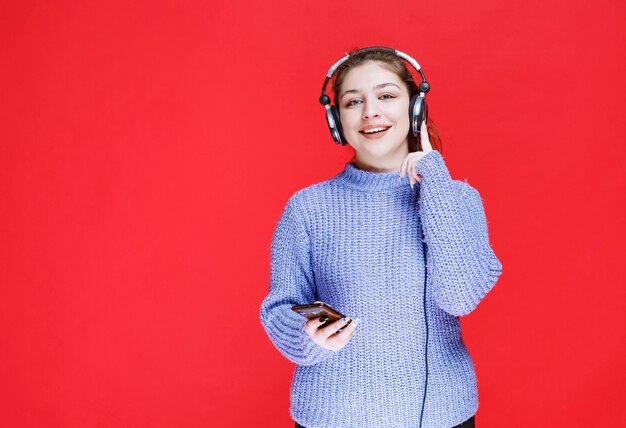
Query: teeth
{"x":370,"y":131}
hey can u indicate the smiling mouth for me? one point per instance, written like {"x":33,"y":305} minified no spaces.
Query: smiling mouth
{"x":375,"y":130}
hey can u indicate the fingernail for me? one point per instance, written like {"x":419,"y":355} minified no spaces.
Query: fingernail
{"x":345,"y":319}
{"x":356,"y":322}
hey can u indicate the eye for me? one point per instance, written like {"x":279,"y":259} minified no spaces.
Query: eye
{"x":353,"y":102}
{"x":386,"y":96}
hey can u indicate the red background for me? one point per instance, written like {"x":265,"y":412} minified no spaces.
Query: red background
{"x":148,"y":148}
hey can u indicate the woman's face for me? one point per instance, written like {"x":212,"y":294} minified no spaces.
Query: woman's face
{"x":374,"y":110}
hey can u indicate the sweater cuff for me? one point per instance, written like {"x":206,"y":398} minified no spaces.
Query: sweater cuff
{"x":310,"y":351}
{"x":432,"y":167}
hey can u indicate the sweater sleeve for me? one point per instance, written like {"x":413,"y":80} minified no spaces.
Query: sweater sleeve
{"x":291,"y":283}
{"x":462,"y":264}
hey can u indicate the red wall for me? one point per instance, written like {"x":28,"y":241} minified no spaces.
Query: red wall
{"x":148,"y":148}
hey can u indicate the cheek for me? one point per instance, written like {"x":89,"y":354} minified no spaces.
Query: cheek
{"x":402,"y":114}
{"x":348,"y":118}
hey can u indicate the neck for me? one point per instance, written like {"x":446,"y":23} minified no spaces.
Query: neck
{"x":364,"y":166}
{"x":390,"y":163}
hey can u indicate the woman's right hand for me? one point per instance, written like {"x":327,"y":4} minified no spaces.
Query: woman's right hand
{"x":327,"y":336}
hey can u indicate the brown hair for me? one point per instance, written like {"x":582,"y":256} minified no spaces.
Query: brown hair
{"x":395,"y":64}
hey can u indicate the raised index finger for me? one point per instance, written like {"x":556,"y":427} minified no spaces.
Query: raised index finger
{"x":425,"y":141}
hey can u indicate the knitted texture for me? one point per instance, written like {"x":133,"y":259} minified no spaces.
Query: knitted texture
{"x":355,"y":242}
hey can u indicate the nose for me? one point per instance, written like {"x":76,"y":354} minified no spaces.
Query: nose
{"x":370,"y":111}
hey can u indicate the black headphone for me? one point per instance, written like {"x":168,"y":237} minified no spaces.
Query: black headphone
{"x":418,"y":109}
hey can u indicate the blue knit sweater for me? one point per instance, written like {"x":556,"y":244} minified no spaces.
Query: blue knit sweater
{"x":355,"y":242}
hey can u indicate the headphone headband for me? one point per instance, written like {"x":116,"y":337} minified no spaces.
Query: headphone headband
{"x":423,"y":88}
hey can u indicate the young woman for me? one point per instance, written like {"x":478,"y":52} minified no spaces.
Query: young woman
{"x":403,"y":259}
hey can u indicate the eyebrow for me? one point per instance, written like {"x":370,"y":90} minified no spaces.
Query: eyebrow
{"x":382,"y":85}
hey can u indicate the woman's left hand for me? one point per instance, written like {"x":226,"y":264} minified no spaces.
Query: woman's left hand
{"x":411,"y":160}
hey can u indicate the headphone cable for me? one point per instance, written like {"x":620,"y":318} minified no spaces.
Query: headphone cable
{"x":426,"y":319}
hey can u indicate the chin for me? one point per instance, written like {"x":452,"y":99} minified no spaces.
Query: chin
{"x":383,"y":146}
{"x":380,"y":154}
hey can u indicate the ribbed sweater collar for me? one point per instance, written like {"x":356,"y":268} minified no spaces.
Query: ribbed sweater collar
{"x":368,"y":181}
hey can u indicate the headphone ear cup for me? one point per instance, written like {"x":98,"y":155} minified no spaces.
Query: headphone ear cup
{"x":418,"y":112}
{"x":338,"y":131}
{"x":332,"y":124}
